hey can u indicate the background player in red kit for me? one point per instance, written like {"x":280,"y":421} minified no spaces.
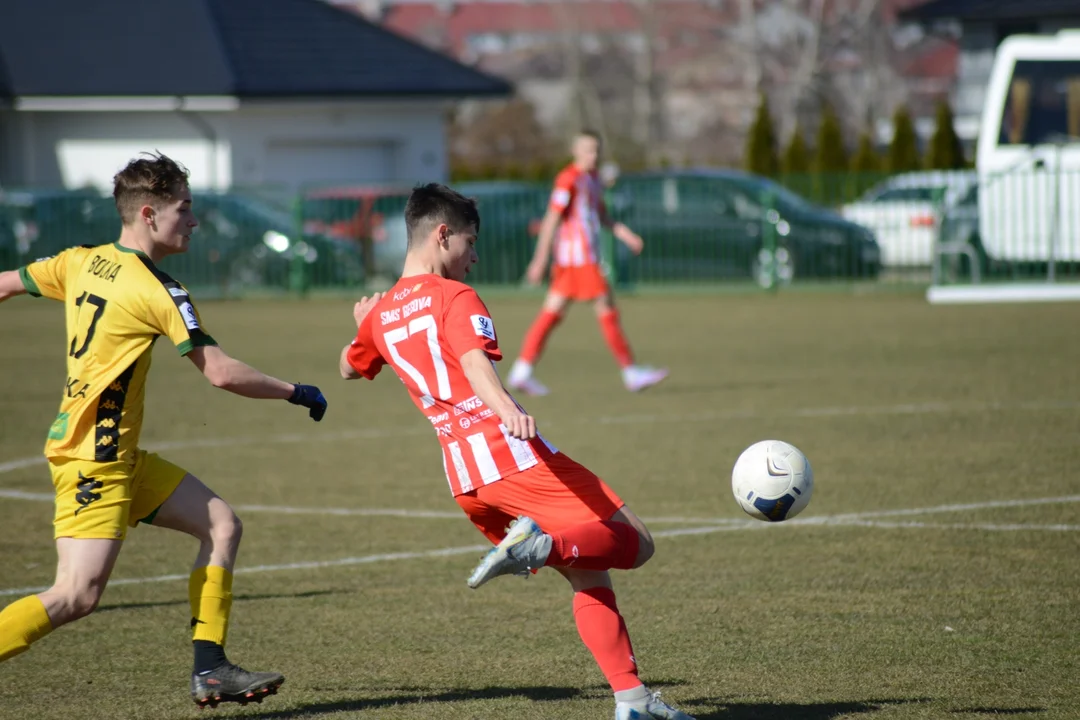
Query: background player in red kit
{"x":437,"y":336}
{"x":570,"y":236}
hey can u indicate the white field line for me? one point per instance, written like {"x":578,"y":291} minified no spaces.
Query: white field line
{"x":827,"y":521}
{"x":738,"y":523}
{"x":648,"y":419}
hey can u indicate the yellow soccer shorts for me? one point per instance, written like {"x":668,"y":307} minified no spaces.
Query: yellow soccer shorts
{"x":100,"y":500}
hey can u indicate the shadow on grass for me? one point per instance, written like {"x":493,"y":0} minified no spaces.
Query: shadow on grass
{"x":236,"y":598}
{"x":791,"y":711}
{"x":419,"y":695}
{"x":998,"y":711}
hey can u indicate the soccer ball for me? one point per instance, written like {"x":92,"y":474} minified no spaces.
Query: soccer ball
{"x":772,"y":481}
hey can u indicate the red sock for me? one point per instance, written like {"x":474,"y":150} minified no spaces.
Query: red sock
{"x":615,"y":338}
{"x":600,"y":545}
{"x":538,"y":334}
{"x":603,"y":631}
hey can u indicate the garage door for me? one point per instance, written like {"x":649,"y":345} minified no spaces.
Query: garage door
{"x":296,"y":162}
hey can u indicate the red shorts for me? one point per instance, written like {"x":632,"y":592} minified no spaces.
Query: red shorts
{"x":557,"y":494}
{"x":578,"y":282}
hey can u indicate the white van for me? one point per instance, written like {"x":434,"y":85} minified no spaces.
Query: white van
{"x":1028,"y":154}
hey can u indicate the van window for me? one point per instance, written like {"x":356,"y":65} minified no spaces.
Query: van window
{"x":1043,"y":103}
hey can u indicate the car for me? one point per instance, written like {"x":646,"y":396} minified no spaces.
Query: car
{"x":511,"y":212}
{"x":903,"y":212}
{"x":42,"y":223}
{"x":706,"y":224}
{"x":244,"y":241}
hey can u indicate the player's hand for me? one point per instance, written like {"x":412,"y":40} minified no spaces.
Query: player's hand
{"x":534,"y":274}
{"x":310,"y":397}
{"x":629,"y":238}
{"x":519,"y":425}
{"x":362,"y":308}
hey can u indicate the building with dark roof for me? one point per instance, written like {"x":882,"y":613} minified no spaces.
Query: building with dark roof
{"x":281,"y":92}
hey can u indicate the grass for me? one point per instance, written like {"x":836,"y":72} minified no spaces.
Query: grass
{"x":963,"y":613}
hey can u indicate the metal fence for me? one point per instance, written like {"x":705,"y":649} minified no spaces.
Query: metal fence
{"x":703,"y":228}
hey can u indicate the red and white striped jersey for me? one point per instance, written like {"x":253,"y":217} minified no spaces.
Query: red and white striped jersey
{"x":421,"y":328}
{"x":579,"y":198}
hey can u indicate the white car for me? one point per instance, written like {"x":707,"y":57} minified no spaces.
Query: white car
{"x":904,"y":211}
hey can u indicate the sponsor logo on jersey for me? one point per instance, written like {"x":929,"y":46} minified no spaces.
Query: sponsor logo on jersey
{"x":467,"y":406}
{"x":187,"y":311}
{"x":483,"y":326}
{"x":416,"y":305}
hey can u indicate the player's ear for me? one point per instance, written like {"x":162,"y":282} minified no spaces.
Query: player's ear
{"x":146,"y":214}
{"x":443,"y":232}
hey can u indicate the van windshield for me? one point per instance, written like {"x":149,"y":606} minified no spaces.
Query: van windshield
{"x":1043,"y":103}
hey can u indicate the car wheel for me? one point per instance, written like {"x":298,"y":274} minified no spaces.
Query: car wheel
{"x":763,"y":263}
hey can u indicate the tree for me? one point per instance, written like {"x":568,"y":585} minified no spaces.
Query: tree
{"x":865,"y":166}
{"x":761,"y":143}
{"x":796,"y":160}
{"x":904,"y":150}
{"x":830,"y":158}
{"x":830,"y":155}
{"x":944,"y":152}
{"x":866,"y":159}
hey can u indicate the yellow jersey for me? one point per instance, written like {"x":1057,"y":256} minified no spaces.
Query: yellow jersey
{"x":117,"y":303}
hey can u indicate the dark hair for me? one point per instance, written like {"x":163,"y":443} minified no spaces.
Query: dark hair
{"x":147,"y":180}
{"x":434,"y":204}
{"x":591,"y":133}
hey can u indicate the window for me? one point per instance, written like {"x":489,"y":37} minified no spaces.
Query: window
{"x":1043,"y":103}
{"x":908,"y":194}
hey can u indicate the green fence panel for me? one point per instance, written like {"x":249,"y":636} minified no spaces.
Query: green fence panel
{"x":700,"y":228}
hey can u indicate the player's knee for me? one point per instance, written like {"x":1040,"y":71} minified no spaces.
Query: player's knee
{"x":85,"y":601}
{"x":75,"y":600}
{"x":646,"y":547}
{"x":226,"y":529}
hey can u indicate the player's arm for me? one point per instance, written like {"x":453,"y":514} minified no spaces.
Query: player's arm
{"x":486,"y":385}
{"x":360,"y":358}
{"x":43,"y":278}
{"x":561,"y":196}
{"x":546,"y":237}
{"x":226,"y":372}
{"x":622,"y":233}
{"x":11,"y":285}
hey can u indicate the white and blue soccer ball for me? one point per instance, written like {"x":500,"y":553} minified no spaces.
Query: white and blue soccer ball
{"x":772,"y":481}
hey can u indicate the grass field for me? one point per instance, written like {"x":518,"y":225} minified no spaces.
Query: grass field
{"x":935,"y":574}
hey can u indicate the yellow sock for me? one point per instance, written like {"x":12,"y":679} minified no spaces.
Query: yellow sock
{"x":21,"y":623}
{"x":210,"y":593}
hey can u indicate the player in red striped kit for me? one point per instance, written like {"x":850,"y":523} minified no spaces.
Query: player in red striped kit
{"x":438,"y":337}
{"x":570,"y":235}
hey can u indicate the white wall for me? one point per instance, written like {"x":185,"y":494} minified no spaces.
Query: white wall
{"x":278,"y":144}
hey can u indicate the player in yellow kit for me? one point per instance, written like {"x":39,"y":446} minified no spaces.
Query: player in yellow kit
{"x":117,"y":304}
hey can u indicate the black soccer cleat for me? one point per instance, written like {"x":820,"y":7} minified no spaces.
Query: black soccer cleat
{"x":232,"y":683}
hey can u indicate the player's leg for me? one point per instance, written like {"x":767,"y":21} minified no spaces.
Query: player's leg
{"x":588,"y":525}
{"x":635,"y":377}
{"x":194,"y":509}
{"x":603,"y":631}
{"x":82,"y":569}
{"x":521,"y":373}
{"x":580,"y":523}
{"x":90,"y":521}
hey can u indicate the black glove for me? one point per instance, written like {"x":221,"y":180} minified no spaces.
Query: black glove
{"x":310,"y":397}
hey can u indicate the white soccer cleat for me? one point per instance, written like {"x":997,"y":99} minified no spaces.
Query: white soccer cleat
{"x":529,"y":386}
{"x":652,"y":709}
{"x":525,"y":547}
{"x":639,"y":377}
{"x":521,"y":379}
